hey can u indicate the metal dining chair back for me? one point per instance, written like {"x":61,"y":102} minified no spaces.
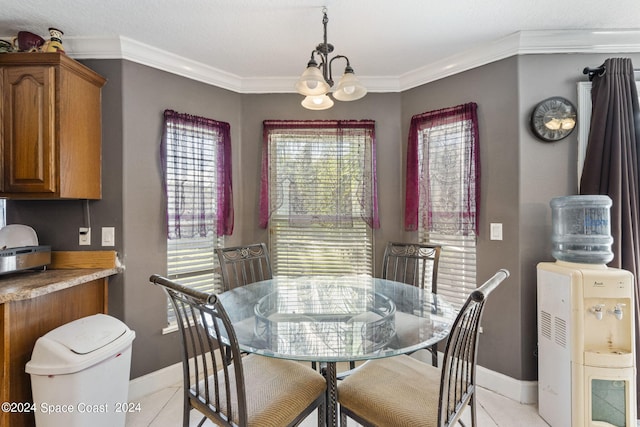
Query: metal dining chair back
{"x":412,"y":263}
{"x":415,"y":264}
{"x":458,"y":374}
{"x":241,"y":265}
{"x":403,"y":391}
{"x":281,"y":392}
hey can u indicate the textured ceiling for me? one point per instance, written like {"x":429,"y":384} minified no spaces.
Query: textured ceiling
{"x":266,"y":39}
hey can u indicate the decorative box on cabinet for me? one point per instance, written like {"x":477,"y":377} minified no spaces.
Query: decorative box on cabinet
{"x":51,"y":136}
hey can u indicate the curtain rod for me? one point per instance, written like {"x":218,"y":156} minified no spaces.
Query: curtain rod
{"x":600,"y":71}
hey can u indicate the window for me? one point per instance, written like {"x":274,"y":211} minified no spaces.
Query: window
{"x":318,"y":196}
{"x":197,"y":172}
{"x":442,"y":193}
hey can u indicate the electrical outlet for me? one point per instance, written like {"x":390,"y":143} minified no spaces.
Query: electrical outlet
{"x":108,"y":236}
{"x":85,"y":236}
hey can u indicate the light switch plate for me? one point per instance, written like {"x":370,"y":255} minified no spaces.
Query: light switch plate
{"x":496,"y":231}
{"x":108,"y":236}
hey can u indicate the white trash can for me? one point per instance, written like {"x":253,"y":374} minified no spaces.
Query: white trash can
{"x":80,"y":373}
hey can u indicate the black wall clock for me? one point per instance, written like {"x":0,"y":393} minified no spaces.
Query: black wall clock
{"x":553,"y":119}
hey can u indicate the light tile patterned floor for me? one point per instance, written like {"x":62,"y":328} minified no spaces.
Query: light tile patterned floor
{"x":164,"y":409}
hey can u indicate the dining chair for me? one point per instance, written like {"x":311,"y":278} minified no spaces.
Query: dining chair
{"x":402,"y":391}
{"x":241,"y":265}
{"x":243,"y":390}
{"x":415,"y":264}
{"x":412,"y":263}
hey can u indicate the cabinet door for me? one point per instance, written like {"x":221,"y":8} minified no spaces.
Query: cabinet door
{"x":28,"y":143}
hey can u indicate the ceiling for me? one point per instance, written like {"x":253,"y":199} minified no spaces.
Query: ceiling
{"x":263,"y":45}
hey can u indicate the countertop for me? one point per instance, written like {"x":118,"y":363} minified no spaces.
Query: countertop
{"x":30,"y":284}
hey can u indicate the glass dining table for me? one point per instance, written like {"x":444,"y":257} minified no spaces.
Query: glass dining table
{"x":335,"y":319}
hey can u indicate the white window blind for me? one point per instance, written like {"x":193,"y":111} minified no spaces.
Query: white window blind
{"x":315,"y":182}
{"x":446,"y":149}
{"x":319,"y":250}
{"x":191,"y":260}
{"x":457,"y":265}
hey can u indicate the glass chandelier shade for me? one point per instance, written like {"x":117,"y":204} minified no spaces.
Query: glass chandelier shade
{"x":317,"y":102}
{"x":349,"y":88}
{"x":312,"y":82}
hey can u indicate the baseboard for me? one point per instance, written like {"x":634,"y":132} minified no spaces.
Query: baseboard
{"x":525,"y":392}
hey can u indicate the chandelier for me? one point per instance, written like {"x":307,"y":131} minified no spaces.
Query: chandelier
{"x":317,"y":80}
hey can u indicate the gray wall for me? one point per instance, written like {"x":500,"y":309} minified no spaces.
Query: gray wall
{"x":146,"y":94}
{"x":519,"y":176}
{"x":494,"y":88}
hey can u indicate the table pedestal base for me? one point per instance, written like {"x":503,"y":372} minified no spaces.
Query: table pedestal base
{"x":328,"y":370}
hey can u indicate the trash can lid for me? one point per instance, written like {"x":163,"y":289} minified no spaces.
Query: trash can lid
{"x":78,"y":345}
{"x":88,"y":334}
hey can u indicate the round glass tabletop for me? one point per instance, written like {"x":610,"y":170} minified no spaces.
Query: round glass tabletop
{"x":333,"y":319}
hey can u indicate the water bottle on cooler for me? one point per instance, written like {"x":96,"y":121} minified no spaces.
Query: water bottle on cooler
{"x":582,"y":229}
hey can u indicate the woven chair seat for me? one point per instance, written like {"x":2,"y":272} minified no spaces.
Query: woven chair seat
{"x":395,"y":392}
{"x":278,"y":391}
{"x":408,"y":327}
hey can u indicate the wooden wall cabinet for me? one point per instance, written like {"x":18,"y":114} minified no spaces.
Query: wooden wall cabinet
{"x":50,"y":133}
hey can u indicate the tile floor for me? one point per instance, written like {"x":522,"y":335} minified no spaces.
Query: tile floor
{"x":164,"y":409}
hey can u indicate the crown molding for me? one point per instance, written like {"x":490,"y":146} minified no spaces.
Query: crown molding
{"x":132,"y":50}
{"x":519,"y":43}
{"x":580,"y":41}
{"x":526,"y":43}
{"x":463,"y":61}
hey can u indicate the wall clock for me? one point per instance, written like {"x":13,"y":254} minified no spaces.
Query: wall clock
{"x":553,"y":119}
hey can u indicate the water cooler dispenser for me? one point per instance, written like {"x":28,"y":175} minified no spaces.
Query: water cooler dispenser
{"x":586,"y":332}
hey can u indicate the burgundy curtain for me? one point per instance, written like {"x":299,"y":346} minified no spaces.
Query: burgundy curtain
{"x":195,"y":142}
{"x":452,"y":135}
{"x":611,"y":163}
{"x":311,"y":133}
